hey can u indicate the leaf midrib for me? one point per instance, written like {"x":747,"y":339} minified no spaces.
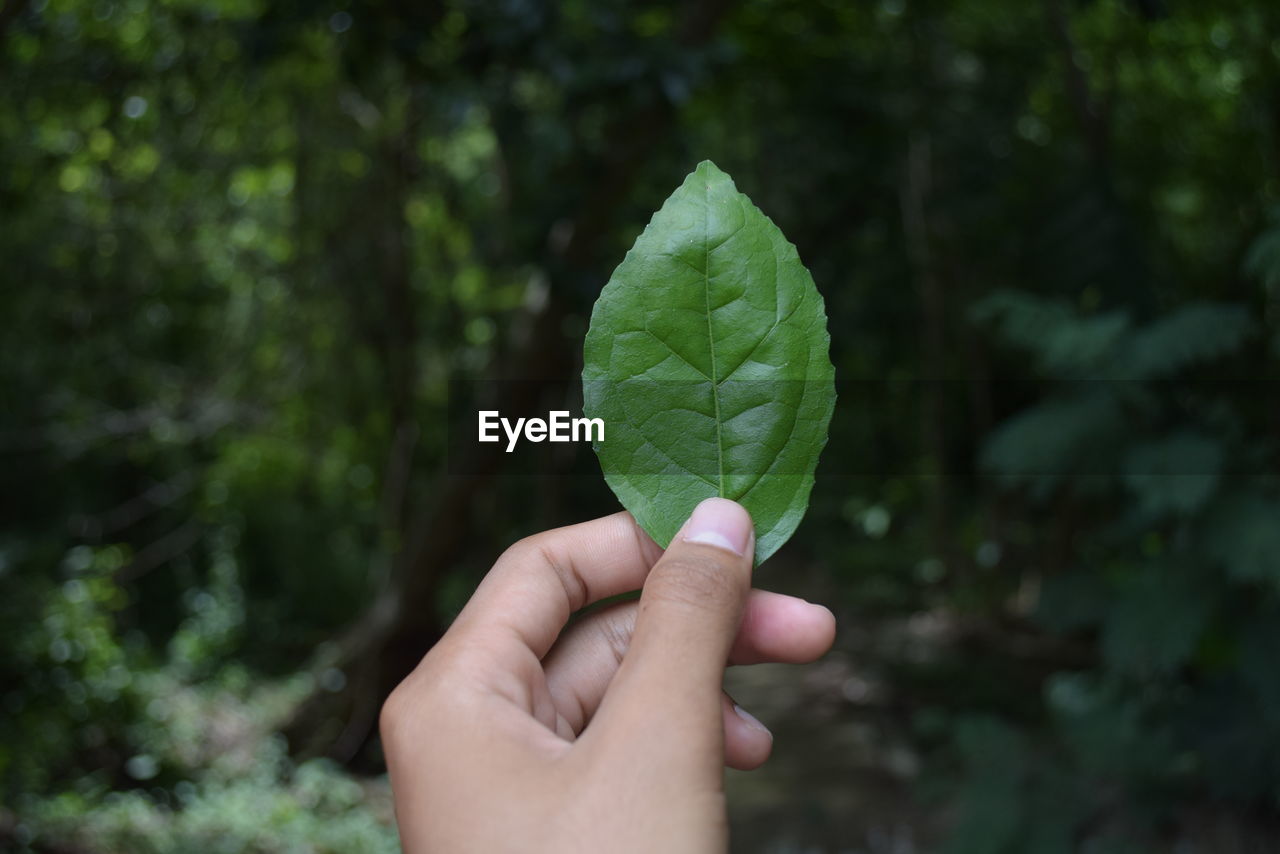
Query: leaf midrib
{"x":711,"y":338}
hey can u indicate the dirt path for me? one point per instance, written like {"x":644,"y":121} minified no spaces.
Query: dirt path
{"x":840,"y":778}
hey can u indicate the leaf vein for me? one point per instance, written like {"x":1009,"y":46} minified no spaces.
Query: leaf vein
{"x":673,"y":351}
{"x":790,"y":435}
{"x":765,"y":337}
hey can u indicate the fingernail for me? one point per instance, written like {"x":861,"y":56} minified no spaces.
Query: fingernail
{"x":750,"y":720}
{"x":721,"y":523}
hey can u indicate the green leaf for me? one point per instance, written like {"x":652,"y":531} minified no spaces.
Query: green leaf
{"x":1156,"y":619}
{"x":1175,"y":475}
{"x":1263,"y":258}
{"x":1192,"y":335}
{"x":1063,"y":343}
{"x":1058,"y":440}
{"x":707,"y":361}
{"x":1241,"y":534}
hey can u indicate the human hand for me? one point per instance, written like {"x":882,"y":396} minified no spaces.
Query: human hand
{"x":517,"y":734}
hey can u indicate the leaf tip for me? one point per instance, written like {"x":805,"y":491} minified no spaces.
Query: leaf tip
{"x":707,"y":169}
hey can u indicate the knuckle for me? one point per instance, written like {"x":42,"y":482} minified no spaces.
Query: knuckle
{"x":545,"y":549}
{"x":524,"y":549}
{"x":616,"y":627}
{"x":394,"y":714}
{"x":410,"y":702}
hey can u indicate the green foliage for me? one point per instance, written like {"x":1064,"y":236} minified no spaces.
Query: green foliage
{"x":1241,"y":536}
{"x":1155,"y":620}
{"x":1176,"y":475}
{"x":248,"y":246}
{"x":707,"y":361}
{"x":1177,"y":531}
{"x":81,"y":678}
{"x":258,"y":802}
{"x":1186,"y":337}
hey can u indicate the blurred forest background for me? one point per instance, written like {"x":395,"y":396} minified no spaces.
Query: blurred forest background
{"x":248,"y":245}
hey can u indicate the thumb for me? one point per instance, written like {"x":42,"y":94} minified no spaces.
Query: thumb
{"x":664,"y":703}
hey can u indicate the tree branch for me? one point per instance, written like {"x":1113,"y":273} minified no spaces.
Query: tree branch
{"x":1092,"y":114}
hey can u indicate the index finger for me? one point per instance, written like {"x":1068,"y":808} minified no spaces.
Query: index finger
{"x":539,"y":582}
